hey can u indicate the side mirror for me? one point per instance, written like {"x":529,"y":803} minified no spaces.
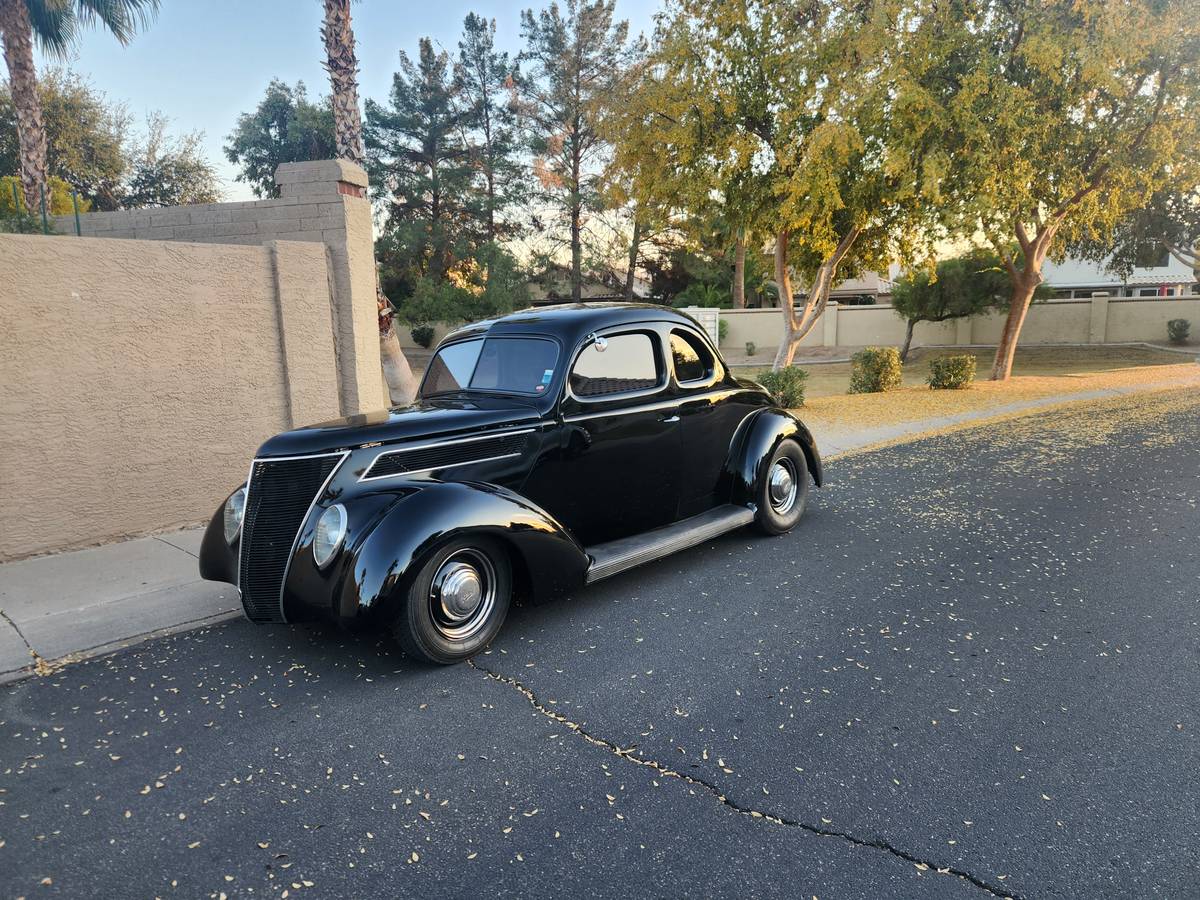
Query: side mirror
{"x":601,"y":344}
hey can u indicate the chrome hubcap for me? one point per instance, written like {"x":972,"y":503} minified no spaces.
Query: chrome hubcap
{"x":463,"y":594}
{"x":460,"y":592}
{"x":782,"y":486}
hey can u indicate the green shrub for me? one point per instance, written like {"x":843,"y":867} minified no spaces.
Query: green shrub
{"x":875,"y":369}
{"x":58,"y":203}
{"x":751,"y":348}
{"x":722,"y":331}
{"x":423,"y":335}
{"x":951,"y":372}
{"x":21,"y":223}
{"x":1178,"y":330}
{"x":786,"y":386}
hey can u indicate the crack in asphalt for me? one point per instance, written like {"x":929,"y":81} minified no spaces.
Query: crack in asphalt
{"x":774,"y":818}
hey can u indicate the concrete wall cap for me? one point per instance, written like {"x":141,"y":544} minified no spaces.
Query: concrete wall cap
{"x":321,"y":170}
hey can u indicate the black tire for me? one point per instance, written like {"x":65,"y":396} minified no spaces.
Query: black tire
{"x":434,"y":622}
{"x":779,"y":509}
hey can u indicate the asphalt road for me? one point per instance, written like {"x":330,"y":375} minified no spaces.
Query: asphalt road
{"x":973,"y":669}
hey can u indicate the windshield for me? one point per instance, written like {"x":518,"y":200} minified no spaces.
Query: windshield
{"x":504,"y":365}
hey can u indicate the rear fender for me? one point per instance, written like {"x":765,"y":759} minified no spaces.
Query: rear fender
{"x":756,"y":440}
{"x":547,"y":558}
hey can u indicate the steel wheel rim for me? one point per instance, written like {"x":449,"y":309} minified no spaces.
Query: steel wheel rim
{"x":782,"y":486}
{"x":462,"y":594}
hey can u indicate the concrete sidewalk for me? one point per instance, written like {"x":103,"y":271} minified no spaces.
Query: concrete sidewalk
{"x":73,"y":605}
{"x":90,"y":602}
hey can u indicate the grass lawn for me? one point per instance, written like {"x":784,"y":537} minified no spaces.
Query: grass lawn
{"x":1040,"y":373}
{"x":832,"y":379}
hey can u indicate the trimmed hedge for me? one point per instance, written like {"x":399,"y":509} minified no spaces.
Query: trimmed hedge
{"x":423,"y":335}
{"x":953,"y":373}
{"x":786,"y":386}
{"x":1178,"y":330}
{"x":875,"y":369}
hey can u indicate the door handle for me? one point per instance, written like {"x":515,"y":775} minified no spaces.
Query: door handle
{"x":674,"y":417}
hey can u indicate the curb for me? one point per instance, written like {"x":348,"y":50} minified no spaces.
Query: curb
{"x":872,"y":440}
{"x":47,"y":667}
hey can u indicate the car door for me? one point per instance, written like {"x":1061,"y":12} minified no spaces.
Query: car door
{"x":615,"y":471}
{"x":710,"y":410}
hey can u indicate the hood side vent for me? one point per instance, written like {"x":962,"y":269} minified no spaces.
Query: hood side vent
{"x":444,"y":455}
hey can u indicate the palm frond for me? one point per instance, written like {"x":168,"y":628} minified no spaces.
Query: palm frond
{"x":54,"y":24}
{"x":123,"y":18}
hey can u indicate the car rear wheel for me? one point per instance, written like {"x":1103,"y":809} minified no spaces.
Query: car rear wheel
{"x":782,"y":494}
{"x":457,"y":602}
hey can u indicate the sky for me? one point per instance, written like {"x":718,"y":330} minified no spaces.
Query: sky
{"x":203,"y":62}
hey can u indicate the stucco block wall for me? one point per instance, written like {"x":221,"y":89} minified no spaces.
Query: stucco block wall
{"x":139,"y":377}
{"x":322,"y":202}
{"x":763,"y":327}
{"x":1048,"y":322}
{"x":1101,"y":320}
{"x":1146,"y":320}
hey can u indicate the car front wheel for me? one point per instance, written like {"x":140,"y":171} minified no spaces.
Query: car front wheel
{"x":457,"y":602}
{"x":782,"y":493}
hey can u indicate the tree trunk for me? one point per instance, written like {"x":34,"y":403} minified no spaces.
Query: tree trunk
{"x":342,"y":66}
{"x":576,"y":255}
{"x":491,"y":204}
{"x":343,"y":77}
{"x":22,"y":79}
{"x":739,"y":270}
{"x":783,"y":280}
{"x":402,"y":385}
{"x":908,"y":336}
{"x":796,"y":328}
{"x":1022,"y":295}
{"x":634,"y":245}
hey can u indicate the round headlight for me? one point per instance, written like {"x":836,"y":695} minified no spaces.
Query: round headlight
{"x":235,"y":510}
{"x":331,"y":531}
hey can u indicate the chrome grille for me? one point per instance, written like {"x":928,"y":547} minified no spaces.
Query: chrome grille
{"x":424,"y":459}
{"x":281,"y":493}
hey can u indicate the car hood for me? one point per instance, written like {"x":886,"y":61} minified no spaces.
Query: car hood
{"x":422,"y":420}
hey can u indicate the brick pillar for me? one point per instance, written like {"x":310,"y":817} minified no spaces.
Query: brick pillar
{"x":334,"y":192}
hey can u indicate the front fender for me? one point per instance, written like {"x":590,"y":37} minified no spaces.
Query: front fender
{"x":218,"y":560}
{"x":547,"y":560}
{"x":757,"y":440}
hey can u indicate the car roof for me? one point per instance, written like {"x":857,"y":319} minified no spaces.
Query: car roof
{"x":571,"y":322}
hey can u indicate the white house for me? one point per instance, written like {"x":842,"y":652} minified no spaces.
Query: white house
{"x":1070,"y":278}
{"x":1080,"y":278}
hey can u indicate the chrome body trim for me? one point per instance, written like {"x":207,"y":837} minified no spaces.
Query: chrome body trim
{"x":427,"y":445}
{"x":671,"y":541}
{"x":673,"y":403}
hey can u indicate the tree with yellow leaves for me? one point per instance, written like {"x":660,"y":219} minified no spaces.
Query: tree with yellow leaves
{"x":1054,"y":120}
{"x":785,"y":112}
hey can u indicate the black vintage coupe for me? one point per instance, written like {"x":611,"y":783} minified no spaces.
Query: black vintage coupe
{"x":547,"y":449}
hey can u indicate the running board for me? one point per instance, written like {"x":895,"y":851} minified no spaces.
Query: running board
{"x":617,"y":556}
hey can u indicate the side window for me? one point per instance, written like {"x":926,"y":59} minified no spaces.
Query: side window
{"x":627,"y":363}
{"x":692,"y":360}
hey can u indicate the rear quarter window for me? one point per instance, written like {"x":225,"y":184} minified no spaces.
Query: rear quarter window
{"x":691,"y":359}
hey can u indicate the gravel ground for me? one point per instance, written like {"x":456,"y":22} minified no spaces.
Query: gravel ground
{"x":971,"y":671}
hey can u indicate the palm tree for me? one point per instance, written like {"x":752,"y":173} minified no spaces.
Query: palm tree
{"x":342,"y":65}
{"x":56,"y":25}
